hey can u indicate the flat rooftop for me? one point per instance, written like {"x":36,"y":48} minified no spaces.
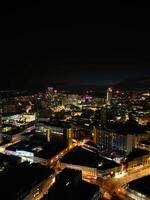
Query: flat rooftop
{"x":71,"y":186}
{"x":146,"y":142}
{"x":136,"y":153}
{"x":58,"y":124}
{"x":126,"y":128}
{"x":108,"y":164}
{"x":46,"y":151}
{"x":9,"y":158}
{"x":83,"y":157}
{"x":141,"y":185}
{"x":14,"y":131}
{"x":11,"y":113}
{"x":16,"y":182}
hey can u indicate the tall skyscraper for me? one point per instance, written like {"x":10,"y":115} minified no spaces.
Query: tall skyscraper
{"x":1,"y":122}
{"x":50,"y":91}
{"x":104,"y":114}
{"x":109,"y":96}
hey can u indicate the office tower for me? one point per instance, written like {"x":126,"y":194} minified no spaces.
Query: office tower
{"x":0,"y":122}
{"x":109,"y":96}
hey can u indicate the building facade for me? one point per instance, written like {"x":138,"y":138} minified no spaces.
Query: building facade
{"x":110,"y":139}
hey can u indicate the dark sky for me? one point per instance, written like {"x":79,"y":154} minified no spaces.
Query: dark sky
{"x":42,"y":45}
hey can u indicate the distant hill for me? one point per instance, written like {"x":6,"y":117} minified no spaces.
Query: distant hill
{"x":135,"y":84}
{"x":128,"y":84}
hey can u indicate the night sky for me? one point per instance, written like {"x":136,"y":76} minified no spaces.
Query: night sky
{"x":42,"y":46}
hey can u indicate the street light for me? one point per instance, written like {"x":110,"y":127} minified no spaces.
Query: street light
{"x":119,"y":190}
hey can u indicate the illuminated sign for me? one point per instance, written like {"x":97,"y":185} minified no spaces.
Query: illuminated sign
{"x":117,"y":92}
{"x":88,"y":97}
{"x":57,"y":132}
{"x":22,"y":153}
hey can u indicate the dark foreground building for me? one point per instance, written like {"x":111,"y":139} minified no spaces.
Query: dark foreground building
{"x":140,"y":188}
{"x":25,"y":181}
{"x":70,"y":186}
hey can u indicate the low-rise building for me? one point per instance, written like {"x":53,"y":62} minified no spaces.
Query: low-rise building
{"x":91,"y":164}
{"x":45,"y":154}
{"x":145,"y":144}
{"x":137,"y":159}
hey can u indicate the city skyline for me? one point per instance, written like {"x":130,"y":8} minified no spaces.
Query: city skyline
{"x":74,"y":101}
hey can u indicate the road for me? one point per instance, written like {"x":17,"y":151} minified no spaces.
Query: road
{"x":114,"y":186}
{"x":132,"y":175}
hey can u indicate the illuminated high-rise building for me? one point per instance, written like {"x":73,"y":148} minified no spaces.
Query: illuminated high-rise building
{"x":1,"y":122}
{"x":61,"y":135}
{"x":109,"y":96}
{"x":73,"y":99}
{"x":50,"y":90}
{"x":103,"y":114}
{"x":57,"y":134}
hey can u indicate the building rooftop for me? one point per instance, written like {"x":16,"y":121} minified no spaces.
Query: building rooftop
{"x":9,"y":158}
{"x":41,"y":150}
{"x":108,"y":165}
{"x":136,"y":153}
{"x":23,"y":145}
{"x":49,"y":151}
{"x":14,"y":131}
{"x":8,"y":161}
{"x":145,"y":142}
{"x":16,"y":182}
{"x":84,"y":157}
{"x":17,"y":130}
{"x":70,"y":186}
{"x":58,"y":124}
{"x":68,"y":177}
{"x":126,"y":128}
{"x":141,"y":185}
{"x":11,"y":113}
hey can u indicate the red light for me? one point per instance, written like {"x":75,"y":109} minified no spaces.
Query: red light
{"x":117,"y":92}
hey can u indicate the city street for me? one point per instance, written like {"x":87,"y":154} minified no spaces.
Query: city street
{"x":114,"y":186}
